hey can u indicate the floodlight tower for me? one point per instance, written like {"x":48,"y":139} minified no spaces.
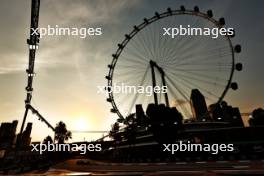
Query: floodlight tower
{"x":32,"y":42}
{"x":33,"y":45}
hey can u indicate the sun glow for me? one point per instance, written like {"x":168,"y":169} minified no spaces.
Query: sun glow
{"x":81,"y":124}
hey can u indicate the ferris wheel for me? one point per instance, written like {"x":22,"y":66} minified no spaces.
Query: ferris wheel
{"x":147,"y":57}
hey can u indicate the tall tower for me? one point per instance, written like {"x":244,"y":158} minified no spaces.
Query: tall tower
{"x":198,"y":105}
{"x":33,"y":43}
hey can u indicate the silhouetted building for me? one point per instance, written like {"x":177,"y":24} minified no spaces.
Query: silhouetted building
{"x":236,"y":117}
{"x":141,"y":119}
{"x":216,"y":112}
{"x":8,"y":134}
{"x":24,"y":139}
{"x":231,"y":114}
{"x":165,"y":122}
{"x":226,"y":113}
{"x":198,"y":106}
{"x":139,"y":111}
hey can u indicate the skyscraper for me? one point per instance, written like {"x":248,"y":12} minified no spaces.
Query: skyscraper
{"x":198,"y":106}
{"x":24,"y":139}
{"x":8,"y":134}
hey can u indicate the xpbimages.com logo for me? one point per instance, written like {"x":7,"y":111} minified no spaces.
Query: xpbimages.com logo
{"x":66,"y":31}
{"x":51,"y":147}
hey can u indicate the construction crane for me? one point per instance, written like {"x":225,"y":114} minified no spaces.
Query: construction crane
{"x":33,"y":45}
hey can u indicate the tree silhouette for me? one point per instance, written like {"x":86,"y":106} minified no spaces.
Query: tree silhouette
{"x":61,"y":133}
{"x":47,"y":140}
{"x":130,"y":129}
{"x":115,"y":133}
{"x":257,"y":117}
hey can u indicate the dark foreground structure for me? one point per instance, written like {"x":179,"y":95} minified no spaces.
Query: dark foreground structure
{"x":145,"y":136}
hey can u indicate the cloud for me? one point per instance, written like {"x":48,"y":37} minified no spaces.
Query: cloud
{"x":92,"y":12}
{"x":179,"y":102}
{"x":60,"y":51}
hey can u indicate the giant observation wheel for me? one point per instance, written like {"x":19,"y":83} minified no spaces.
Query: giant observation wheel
{"x":183,"y":63}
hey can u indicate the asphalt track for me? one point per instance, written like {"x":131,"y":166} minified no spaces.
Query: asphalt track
{"x":218,"y":168}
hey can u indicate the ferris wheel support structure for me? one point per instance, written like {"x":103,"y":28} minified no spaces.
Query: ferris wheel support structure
{"x":161,"y":71}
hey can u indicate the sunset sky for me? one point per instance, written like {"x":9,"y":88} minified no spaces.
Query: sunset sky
{"x":69,"y":69}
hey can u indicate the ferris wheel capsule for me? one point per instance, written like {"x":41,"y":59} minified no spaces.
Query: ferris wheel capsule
{"x":222,"y":21}
{"x":239,"y":66}
{"x":234,"y":86}
{"x":210,"y":13}
{"x":182,"y":8}
{"x":237,"y":48}
{"x":196,"y":9}
{"x":169,"y":10}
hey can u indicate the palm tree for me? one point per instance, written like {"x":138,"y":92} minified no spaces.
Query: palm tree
{"x":47,"y":140}
{"x":61,"y":133}
{"x":115,"y":134}
{"x":257,"y":117}
{"x":130,"y":131}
